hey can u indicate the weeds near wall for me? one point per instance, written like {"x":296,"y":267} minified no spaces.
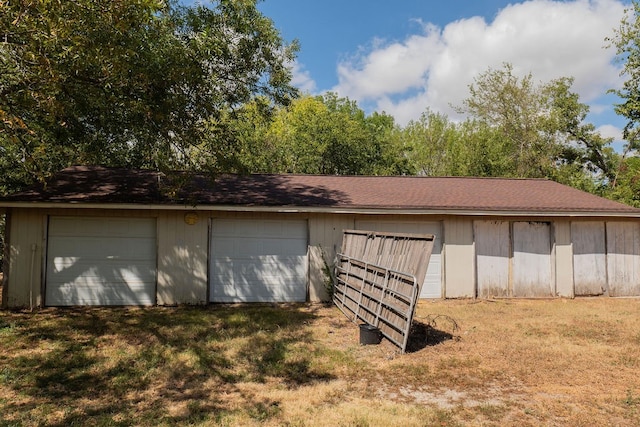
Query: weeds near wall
{"x":329,"y":274}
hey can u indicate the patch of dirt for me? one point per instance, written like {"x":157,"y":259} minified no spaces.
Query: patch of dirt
{"x":449,"y":398}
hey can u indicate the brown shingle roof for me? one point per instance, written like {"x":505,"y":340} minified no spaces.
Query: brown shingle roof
{"x":99,"y":185}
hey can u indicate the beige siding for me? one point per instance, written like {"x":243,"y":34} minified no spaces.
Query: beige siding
{"x":562,"y":253}
{"x":589,"y":257}
{"x":493,"y":258}
{"x":325,"y":239}
{"x":459,"y":264}
{"x":26,"y":257}
{"x":563,"y":257}
{"x":182,"y":259}
{"x":623,"y":258}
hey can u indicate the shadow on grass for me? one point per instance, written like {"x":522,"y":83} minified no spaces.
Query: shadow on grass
{"x":143,"y":366}
{"x":424,"y":335}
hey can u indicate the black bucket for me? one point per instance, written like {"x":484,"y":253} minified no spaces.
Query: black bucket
{"x":369,"y":334}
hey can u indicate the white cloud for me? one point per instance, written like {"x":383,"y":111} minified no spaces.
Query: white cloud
{"x":302,"y":78}
{"x":610,"y":131}
{"x":433,"y":69}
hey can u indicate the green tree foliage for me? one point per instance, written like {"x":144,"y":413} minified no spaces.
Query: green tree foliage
{"x":431,"y":144}
{"x":436,"y":146}
{"x":141,"y":83}
{"x":319,"y":135}
{"x":626,"y":40}
{"x":627,"y":189}
{"x":541,"y":128}
{"x":511,"y":106}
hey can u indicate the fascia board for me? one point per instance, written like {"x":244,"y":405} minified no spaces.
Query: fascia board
{"x":329,"y":210}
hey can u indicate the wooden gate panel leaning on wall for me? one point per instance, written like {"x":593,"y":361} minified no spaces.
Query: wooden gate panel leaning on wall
{"x":379,"y":277}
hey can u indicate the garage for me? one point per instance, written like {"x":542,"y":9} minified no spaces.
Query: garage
{"x":258,"y":260}
{"x":100,"y":261}
{"x":432,"y":287}
{"x":112,"y":236}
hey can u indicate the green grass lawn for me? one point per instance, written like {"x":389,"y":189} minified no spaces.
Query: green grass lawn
{"x":561,"y":362}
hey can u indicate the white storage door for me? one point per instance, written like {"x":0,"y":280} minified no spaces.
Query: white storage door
{"x":589,"y":257}
{"x":623,"y":258}
{"x":492,"y":258}
{"x":532,"y":268}
{"x":100,"y":261}
{"x":258,"y":260}
{"x":432,"y":287}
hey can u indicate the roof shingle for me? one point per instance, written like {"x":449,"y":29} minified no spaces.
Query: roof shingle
{"x":100,"y":185}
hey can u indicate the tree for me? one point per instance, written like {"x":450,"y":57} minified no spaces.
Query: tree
{"x":130,"y":83}
{"x":541,"y":127}
{"x":327,"y":135}
{"x":428,"y":144}
{"x":436,"y":146}
{"x":626,"y":40}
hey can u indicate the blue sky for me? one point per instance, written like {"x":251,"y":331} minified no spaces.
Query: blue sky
{"x":405,"y":56}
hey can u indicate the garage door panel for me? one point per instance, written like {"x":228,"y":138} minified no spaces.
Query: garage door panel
{"x":245,"y":247}
{"x":102,"y":261}
{"x":72,"y":268}
{"x":285,"y":248}
{"x":96,"y":227}
{"x":241,"y":292}
{"x":258,"y":228}
{"x":272,"y":264}
{"x":88,"y":294}
{"x":108,"y":248}
{"x":254,"y":261}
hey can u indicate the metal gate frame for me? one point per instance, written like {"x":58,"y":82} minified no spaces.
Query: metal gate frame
{"x":370,"y":285}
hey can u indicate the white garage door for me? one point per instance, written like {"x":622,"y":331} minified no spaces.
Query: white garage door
{"x":258,"y":260}
{"x":101,"y":261}
{"x":432,"y":287}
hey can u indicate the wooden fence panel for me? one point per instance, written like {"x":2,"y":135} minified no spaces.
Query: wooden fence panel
{"x":379,"y":277}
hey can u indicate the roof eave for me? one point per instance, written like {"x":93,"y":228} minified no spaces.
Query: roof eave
{"x":325,"y":209}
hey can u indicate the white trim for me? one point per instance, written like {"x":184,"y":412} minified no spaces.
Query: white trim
{"x":331,"y":210}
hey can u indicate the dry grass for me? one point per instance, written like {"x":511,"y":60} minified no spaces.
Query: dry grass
{"x":508,"y":362}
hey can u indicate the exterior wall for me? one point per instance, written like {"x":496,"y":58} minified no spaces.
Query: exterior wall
{"x":26,"y":229}
{"x":182,"y":276}
{"x":522,"y":257}
{"x":182,"y":258}
{"x":459,"y":258}
{"x":325,"y":238}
